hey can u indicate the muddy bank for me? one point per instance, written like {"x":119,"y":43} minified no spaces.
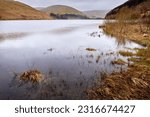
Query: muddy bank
{"x":135,"y":82}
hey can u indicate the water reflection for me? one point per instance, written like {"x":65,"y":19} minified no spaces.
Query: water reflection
{"x":12,"y":35}
{"x":72,"y":55}
{"x":119,"y":40}
{"x":63,"y":30}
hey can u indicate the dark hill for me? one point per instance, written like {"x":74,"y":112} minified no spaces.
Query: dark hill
{"x":141,"y":7}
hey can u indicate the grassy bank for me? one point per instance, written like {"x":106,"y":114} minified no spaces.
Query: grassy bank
{"x":135,"y":82}
{"x":137,"y":32}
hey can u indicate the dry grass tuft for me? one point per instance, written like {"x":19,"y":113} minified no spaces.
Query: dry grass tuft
{"x":90,"y":49}
{"x":31,"y":75}
{"x":118,"y":62}
{"x":126,"y":53}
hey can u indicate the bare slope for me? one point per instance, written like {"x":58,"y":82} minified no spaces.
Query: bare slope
{"x":13,"y":10}
{"x":140,"y":8}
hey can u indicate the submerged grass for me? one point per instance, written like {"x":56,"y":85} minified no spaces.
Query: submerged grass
{"x":118,"y":62}
{"x":133,"y":31}
{"x":90,"y":49}
{"x":31,"y":75}
{"x":126,"y":53}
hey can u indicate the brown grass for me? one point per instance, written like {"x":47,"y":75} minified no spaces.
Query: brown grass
{"x":135,"y":82}
{"x":118,"y":62}
{"x":126,"y":53}
{"x":133,"y":31}
{"x":98,"y":58}
{"x":90,"y":49}
{"x":32,"y":76}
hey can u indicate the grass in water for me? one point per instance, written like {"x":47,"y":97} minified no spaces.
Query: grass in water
{"x":31,"y":75}
{"x":135,"y":82}
{"x":126,"y":53}
{"x":90,"y":49}
{"x":118,"y":62}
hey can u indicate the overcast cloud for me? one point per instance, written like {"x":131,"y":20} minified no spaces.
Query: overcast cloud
{"x":79,"y":4}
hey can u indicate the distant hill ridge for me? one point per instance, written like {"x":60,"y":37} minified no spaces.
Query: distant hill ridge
{"x":13,"y":10}
{"x":62,"y":9}
{"x":64,"y":12}
{"x":96,"y":13}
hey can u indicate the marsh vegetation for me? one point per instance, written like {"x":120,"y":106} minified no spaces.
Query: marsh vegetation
{"x":135,"y":82}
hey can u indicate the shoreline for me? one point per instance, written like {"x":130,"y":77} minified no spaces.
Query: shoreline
{"x":134,"y":83}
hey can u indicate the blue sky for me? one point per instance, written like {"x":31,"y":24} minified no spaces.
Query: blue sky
{"x":79,"y":4}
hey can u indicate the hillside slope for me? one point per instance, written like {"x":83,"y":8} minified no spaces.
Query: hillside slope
{"x":140,"y":7}
{"x":63,"y":12}
{"x":62,"y":9}
{"x":13,"y":10}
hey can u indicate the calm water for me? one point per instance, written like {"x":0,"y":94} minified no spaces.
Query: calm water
{"x":57,"y":49}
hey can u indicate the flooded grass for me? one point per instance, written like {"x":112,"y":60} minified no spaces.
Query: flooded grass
{"x":98,"y":58}
{"x":95,"y":34}
{"x":133,"y":83}
{"x":118,"y":62}
{"x":31,"y":76}
{"x":50,"y":88}
{"x":126,"y":53}
{"x":90,"y":49}
{"x":134,"y":59}
{"x":132,"y":31}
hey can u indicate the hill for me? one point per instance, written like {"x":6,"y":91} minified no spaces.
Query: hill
{"x":64,"y":12}
{"x":96,"y":13}
{"x":13,"y":10}
{"x":140,"y":8}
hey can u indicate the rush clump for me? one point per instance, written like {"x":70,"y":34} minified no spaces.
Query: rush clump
{"x":31,"y":75}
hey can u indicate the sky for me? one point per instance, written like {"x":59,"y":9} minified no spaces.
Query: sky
{"x":78,"y":4}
